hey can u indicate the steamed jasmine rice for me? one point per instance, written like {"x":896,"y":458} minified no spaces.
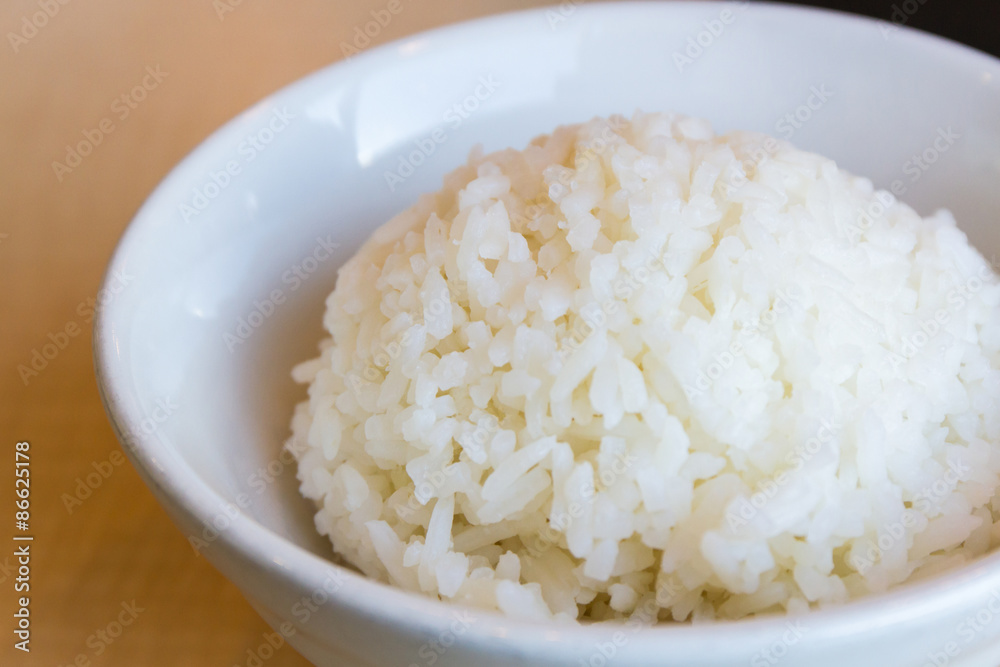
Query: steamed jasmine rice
{"x":641,"y":370}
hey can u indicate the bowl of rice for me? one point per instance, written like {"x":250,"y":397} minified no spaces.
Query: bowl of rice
{"x":652,"y":334}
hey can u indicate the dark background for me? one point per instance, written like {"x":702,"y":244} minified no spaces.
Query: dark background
{"x":973,"y":22}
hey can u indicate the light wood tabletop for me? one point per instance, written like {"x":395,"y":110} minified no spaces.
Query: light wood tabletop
{"x":113,"y":582}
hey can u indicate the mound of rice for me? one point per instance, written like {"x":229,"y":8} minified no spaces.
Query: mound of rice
{"x":641,"y":370}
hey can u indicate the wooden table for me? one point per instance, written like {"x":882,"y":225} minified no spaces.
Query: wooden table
{"x":114,"y":556}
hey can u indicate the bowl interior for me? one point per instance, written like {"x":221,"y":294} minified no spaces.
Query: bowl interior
{"x":225,"y":269}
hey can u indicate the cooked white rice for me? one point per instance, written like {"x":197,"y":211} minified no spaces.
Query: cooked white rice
{"x":637,"y":369}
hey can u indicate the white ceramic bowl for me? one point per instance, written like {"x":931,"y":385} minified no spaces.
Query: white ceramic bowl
{"x":203,"y":401}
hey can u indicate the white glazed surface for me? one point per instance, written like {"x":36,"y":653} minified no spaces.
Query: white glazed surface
{"x":163,"y":337}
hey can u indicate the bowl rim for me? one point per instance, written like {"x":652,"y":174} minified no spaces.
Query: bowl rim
{"x":173,"y":480}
